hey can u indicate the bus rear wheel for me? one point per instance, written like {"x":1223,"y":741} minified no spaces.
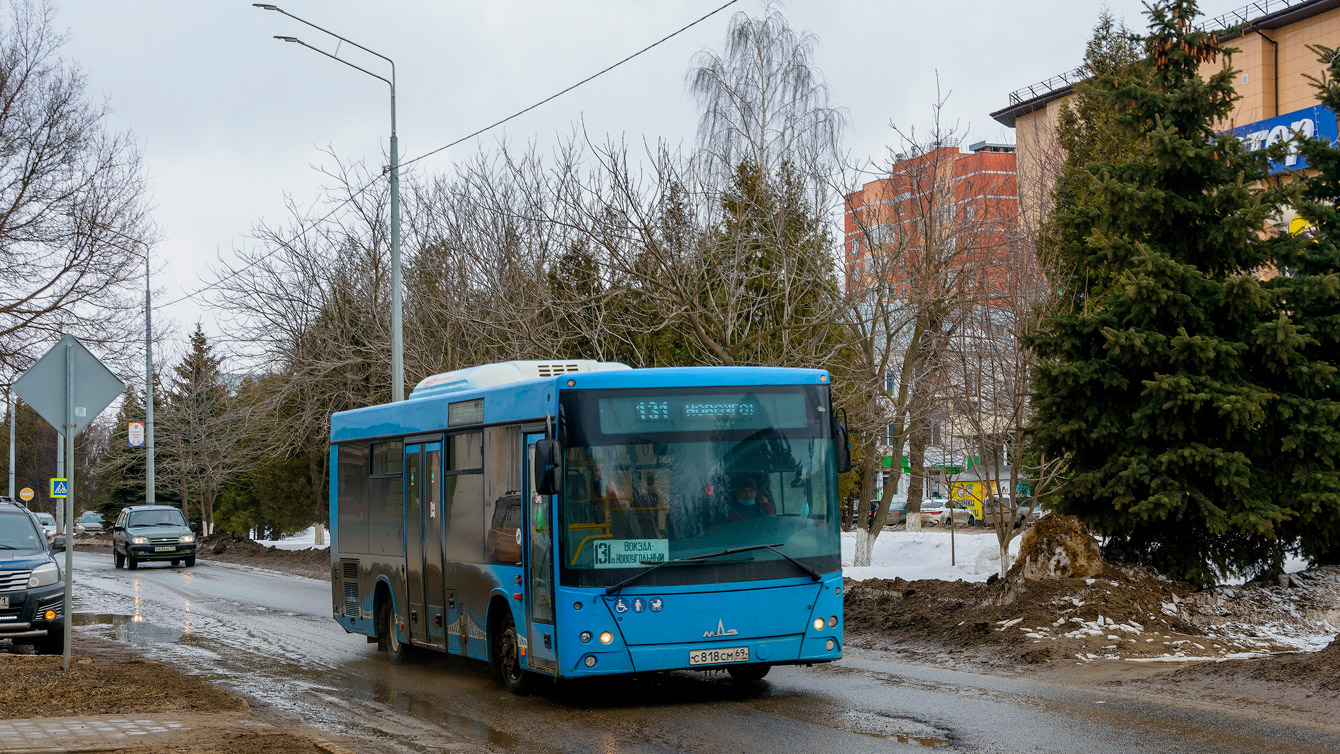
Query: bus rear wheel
{"x":507,"y":658}
{"x":748,"y":673}
{"x":396,"y":651}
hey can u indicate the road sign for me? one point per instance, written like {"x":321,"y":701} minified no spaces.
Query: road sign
{"x":68,"y":387}
{"x":136,"y":434}
{"x":43,"y":386}
{"x":26,"y":494}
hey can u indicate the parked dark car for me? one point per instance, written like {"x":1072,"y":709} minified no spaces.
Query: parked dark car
{"x":897,"y":513}
{"x":152,"y":532}
{"x":32,"y":586}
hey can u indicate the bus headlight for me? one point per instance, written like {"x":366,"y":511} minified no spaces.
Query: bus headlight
{"x":606,"y":637}
{"x":818,"y":624}
{"x":43,"y":575}
{"x":590,"y":661}
{"x":585,"y":636}
{"x":829,"y":646}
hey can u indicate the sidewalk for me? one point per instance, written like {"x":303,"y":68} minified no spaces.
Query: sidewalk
{"x":151,"y":733}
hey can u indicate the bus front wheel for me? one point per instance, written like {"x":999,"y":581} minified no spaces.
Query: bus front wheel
{"x":748,"y":673}
{"x":507,"y":658}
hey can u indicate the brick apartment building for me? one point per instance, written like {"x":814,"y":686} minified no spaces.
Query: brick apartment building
{"x":971,"y":195}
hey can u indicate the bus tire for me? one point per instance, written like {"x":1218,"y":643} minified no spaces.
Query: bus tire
{"x":396,"y":651}
{"x":507,"y":658}
{"x":748,"y":673}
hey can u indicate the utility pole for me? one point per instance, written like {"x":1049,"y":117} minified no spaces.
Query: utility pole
{"x":148,"y":387}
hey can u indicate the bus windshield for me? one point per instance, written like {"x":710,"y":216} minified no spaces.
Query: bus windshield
{"x":689,"y":473}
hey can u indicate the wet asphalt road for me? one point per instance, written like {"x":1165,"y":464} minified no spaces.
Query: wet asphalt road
{"x":270,"y":636}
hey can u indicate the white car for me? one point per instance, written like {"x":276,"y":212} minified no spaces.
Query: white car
{"x":48,"y":524}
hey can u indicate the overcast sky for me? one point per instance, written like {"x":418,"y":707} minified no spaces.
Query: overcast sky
{"x":230,"y":119}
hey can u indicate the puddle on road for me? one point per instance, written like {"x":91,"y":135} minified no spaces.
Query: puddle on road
{"x":129,"y":628}
{"x":901,"y":729}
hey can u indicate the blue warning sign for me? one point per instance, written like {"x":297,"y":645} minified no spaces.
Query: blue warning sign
{"x":60,"y":487}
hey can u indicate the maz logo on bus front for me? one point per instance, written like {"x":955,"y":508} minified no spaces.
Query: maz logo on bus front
{"x":721,"y":631}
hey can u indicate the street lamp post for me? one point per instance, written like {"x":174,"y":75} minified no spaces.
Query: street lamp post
{"x":397,"y":329}
{"x":149,"y":496}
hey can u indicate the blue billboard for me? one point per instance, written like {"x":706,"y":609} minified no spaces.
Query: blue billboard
{"x":1311,"y":122}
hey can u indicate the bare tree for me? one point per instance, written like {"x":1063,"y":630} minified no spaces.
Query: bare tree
{"x":310,"y":302}
{"x":71,"y":192}
{"x":914,"y":257}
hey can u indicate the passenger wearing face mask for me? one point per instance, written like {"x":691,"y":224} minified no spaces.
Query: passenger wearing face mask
{"x":748,"y":501}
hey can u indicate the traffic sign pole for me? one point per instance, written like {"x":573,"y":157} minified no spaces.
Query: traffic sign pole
{"x":69,"y":502}
{"x":13,"y":405}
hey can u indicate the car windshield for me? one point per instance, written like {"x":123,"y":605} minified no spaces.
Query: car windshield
{"x":166,"y":517}
{"x":18,"y":533}
{"x":91,"y":518}
{"x":686,"y":474}
{"x":46,"y":518}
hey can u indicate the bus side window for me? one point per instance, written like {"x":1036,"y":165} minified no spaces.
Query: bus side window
{"x":502,"y":494}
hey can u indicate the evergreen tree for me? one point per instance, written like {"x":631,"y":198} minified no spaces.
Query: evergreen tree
{"x":1149,"y":384}
{"x":197,"y":438}
{"x":1305,"y":421}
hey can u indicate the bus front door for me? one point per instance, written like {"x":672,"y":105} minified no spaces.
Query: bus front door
{"x":539,"y":569}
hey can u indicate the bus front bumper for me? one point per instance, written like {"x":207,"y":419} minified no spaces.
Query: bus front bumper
{"x":779,"y":650}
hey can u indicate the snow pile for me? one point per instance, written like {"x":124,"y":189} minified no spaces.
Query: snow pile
{"x":303,"y":540}
{"x":926,"y":555}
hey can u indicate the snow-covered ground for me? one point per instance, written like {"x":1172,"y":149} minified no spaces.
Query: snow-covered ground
{"x":926,"y":555}
{"x":301,"y":541}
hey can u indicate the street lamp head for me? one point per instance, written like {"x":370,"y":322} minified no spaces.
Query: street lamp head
{"x":265,"y":6}
{"x":288,"y":39}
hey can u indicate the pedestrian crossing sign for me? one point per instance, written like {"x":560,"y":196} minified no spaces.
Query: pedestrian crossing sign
{"x":60,"y":488}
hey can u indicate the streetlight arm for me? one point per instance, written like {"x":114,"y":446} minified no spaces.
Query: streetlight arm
{"x":337,"y":58}
{"x":268,"y":6}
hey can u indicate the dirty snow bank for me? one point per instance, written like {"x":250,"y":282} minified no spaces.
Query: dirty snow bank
{"x":303,"y":540}
{"x":926,"y":555}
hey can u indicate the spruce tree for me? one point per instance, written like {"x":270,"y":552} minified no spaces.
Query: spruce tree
{"x":1146,"y":383}
{"x":1305,"y":421}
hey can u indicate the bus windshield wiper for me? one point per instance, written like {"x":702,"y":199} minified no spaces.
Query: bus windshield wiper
{"x":705,"y":558}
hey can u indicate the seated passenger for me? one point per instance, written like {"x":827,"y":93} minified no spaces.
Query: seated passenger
{"x":748,"y":502}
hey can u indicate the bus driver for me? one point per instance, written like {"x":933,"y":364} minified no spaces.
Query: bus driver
{"x":748,"y":502}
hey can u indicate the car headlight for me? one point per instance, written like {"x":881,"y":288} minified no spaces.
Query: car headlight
{"x":140,"y":541}
{"x":188,"y":538}
{"x":44,"y":575}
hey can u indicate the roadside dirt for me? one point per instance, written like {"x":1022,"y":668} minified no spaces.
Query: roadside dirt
{"x":35,"y":686}
{"x":1061,"y":602}
{"x":313,"y":563}
{"x":115,"y":682}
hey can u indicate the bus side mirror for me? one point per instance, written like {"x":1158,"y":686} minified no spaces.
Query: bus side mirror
{"x":548,"y":467}
{"x":841,"y":444}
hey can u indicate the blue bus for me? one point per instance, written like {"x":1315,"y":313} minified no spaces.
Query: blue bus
{"x":576,"y":519}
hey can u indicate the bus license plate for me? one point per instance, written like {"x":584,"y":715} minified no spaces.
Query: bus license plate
{"x":169,"y":548}
{"x":717,"y":656}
